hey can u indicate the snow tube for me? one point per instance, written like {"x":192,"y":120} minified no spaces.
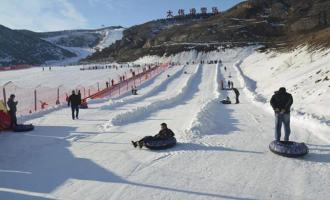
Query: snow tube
{"x":159,"y":144}
{"x":288,"y":148}
{"x":83,"y":105}
{"x":225,"y":102}
{"x":23,"y":128}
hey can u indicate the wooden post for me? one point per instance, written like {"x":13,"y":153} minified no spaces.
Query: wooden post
{"x":35,"y":100}
{"x":4,"y":96}
{"x":58,"y":96}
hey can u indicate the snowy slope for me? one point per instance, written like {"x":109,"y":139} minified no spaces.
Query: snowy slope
{"x":70,"y":76}
{"x":222,"y":151}
{"x":305,"y":74}
{"x":84,"y":43}
{"x":110,"y":37}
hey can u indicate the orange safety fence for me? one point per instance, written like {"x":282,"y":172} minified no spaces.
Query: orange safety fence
{"x":127,"y":84}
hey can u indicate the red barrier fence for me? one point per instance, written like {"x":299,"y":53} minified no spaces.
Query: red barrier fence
{"x":14,"y":67}
{"x":127,"y":84}
{"x":39,"y":98}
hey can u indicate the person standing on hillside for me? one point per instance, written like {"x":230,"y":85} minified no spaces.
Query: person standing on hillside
{"x":236,"y":94}
{"x":12,"y":105}
{"x":74,"y":102}
{"x":281,"y":102}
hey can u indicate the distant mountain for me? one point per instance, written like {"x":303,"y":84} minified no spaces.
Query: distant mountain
{"x":28,"y":47}
{"x":19,"y":48}
{"x":274,"y":23}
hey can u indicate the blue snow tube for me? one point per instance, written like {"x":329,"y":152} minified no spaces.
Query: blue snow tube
{"x":159,"y":144}
{"x":288,"y":148}
{"x":23,"y":128}
{"x":83,"y":105}
{"x":225,"y":102}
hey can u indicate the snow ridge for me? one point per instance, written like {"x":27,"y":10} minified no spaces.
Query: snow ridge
{"x":153,"y":92}
{"x":144,"y":111}
{"x":204,"y":121}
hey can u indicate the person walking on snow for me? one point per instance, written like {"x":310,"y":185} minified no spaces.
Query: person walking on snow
{"x":236,"y":94}
{"x":281,"y":102}
{"x":12,"y":105}
{"x":74,"y":102}
{"x":229,"y":83}
{"x":164,"y":133}
{"x":79,"y":97}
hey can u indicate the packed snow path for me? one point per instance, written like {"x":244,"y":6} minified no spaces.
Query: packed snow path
{"x":222,"y":151}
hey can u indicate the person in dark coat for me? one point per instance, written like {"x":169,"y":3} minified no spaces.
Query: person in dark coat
{"x":236,"y":94}
{"x":79,"y":97}
{"x":281,"y":102}
{"x":12,"y":105}
{"x":163,"y":134}
{"x":229,"y":84}
{"x":74,"y":101}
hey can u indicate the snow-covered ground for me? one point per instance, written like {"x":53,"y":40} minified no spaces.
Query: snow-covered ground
{"x":70,"y":76}
{"x":222,"y":151}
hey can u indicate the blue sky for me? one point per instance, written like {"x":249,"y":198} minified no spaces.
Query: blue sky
{"x":51,"y":15}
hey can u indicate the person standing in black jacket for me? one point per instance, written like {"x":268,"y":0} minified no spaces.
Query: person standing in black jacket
{"x":281,"y":102}
{"x":74,"y":101}
{"x":12,"y":105}
{"x":79,"y":97}
{"x":236,"y":94}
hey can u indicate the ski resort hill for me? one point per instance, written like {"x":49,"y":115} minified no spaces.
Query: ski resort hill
{"x":222,"y":150}
{"x":281,"y":25}
{"x":59,"y":47}
{"x":184,"y":72}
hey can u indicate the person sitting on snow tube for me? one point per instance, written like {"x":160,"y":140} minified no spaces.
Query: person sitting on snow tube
{"x":226,"y":101}
{"x":164,"y":134}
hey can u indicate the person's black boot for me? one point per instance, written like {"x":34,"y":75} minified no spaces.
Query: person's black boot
{"x":134,"y":144}
{"x":140,"y":144}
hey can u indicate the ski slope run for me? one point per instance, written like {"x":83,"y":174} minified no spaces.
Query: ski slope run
{"x":222,"y":151}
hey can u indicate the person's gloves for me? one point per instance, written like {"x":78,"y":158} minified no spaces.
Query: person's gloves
{"x":282,"y":111}
{"x":277,"y":110}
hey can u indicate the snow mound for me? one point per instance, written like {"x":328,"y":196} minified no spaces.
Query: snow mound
{"x":153,"y":92}
{"x":142,"y":112}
